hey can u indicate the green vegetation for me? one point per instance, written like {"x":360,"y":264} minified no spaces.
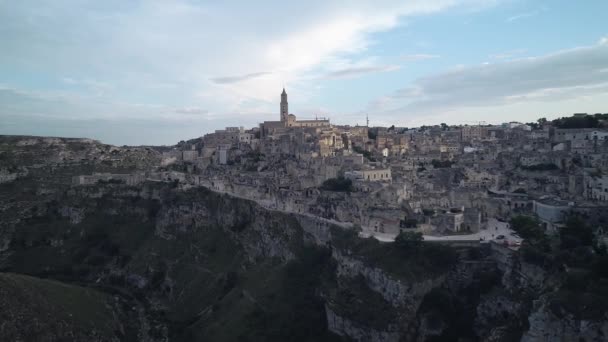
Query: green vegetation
{"x":255,"y":156}
{"x":540,"y":167}
{"x":408,"y":223}
{"x":536,"y":247}
{"x":368,"y":155}
{"x":372,"y":133}
{"x":527,"y":227}
{"x":408,"y":259}
{"x":273,"y":303}
{"x":576,"y":233}
{"x":63,"y":311}
{"x":441,"y":163}
{"x":339,"y":184}
{"x":587,"y":121}
{"x":584,"y":290}
{"x":409,"y":240}
{"x":428,"y":212}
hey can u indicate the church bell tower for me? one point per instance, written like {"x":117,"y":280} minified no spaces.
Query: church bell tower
{"x":284,"y":107}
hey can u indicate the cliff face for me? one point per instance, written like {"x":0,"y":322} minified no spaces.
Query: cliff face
{"x":344,"y":326}
{"x":187,"y":255}
{"x":548,"y":325}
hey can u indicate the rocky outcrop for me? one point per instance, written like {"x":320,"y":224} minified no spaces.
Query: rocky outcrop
{"x":497,"y":314}
{"x":345,"y":327}
{"x":402,"y":294}
{"x":546,"y":326}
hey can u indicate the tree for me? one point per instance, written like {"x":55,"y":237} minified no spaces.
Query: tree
{"x":527,"y":227}
{"x":408,"y":223}
{"x":428,"y":212}
{"x":441,"y":163}
{"x":409,"y":240}
{"x":587,"y":121}
{"x":339,"y":184}
{"x":575,"y":233}
{"x":372,"y":134}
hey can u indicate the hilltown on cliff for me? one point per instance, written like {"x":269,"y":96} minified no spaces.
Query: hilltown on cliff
{"x":446,"y":182}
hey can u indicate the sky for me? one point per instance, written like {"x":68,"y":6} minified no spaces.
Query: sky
{"x":157,"y":72}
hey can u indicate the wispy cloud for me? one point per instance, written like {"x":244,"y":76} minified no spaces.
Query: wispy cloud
{"x":553,"y":77}
{"x":191,"y":111}
{"x":417,"y":57}
{"x":240,"y":78}
{"x":521,"y":16}
{"x":360,"y":71}
{"x":525,"y":15}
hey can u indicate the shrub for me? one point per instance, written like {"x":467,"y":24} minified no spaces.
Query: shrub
{"x":576,"y":232}
{"x":339,"y":184}
{"x":441,"y":163}
{"x":408,"y":240}
{"x":527,"y":227}
{"x":540,"y":167}
{"x":408,"y":223}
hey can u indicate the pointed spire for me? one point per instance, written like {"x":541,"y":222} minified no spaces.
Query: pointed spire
{"x":283,"y":93}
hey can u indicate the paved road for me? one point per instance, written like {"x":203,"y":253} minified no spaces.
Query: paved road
{"x":494,"y":229}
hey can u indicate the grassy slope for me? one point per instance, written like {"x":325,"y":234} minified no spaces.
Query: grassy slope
{"x":35,"y":309}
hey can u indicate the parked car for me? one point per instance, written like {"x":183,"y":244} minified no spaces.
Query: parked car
{"x":500,"y":237}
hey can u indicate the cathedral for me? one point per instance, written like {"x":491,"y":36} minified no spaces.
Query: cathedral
{"x":289,"y":120}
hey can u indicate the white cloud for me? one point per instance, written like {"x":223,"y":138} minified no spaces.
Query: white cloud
{"x":551,"y":79}
{"x":522,"y":16}
{"x":568,"y":72}
{"x":359,"y":71}
{"x":240,"y":78}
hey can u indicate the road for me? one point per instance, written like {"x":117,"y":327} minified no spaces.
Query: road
{"x":494,"y":229}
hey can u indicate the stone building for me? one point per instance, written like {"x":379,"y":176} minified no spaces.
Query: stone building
{"x":471,"y":133}
{"x":596,"y":188}
{"x":289,"y":120}
{"x":371,"y":175}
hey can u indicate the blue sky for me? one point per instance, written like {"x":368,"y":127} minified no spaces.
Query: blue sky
{"x":156,"y":72}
